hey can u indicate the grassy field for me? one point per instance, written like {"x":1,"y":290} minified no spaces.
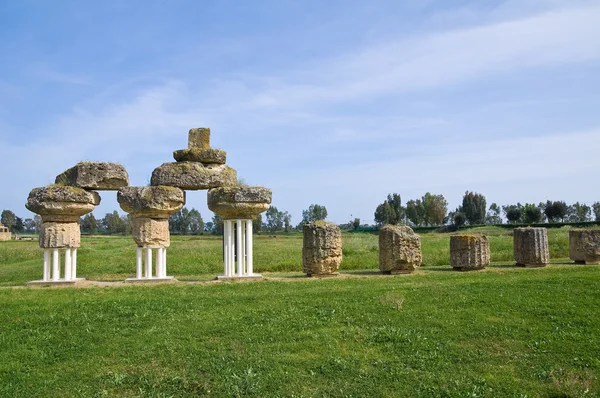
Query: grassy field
{"x":501,"y":332}
{"x":199,"y":257}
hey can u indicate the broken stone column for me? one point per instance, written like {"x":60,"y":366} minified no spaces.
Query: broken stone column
{"x":584,"y":246}
{"x":99,"y":176}
{"x":60,"y":208}
{"x":198,"y":167}
{"x":322,"y":248}
{"x":469,"y":252}
{"x":151,"y":208}
{"x":238,"y":206}
{"x":399,"y":249}
{"x":530,"y":247}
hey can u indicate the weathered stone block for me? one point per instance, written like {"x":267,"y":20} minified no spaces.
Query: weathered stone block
{"x":204,"y":156}
{"x":59,"y":235}
{"x":399,"y":249}
{"x":584,"y":246}
{"x":151,"y":202}
{"x":530,"y":247}
{"x":193,"y":175}
{"x":151,"y":232}
{"x":239,"y":202}
{"x":99,"y":176}
{"x":322,"y":248}
{"x":199,"y":138}
{"x":469,"y":252}
{"x":57,"y":203}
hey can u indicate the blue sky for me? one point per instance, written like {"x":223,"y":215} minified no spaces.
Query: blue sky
{"x":331,"y":102}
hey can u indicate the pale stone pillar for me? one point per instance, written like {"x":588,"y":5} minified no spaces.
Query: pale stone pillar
{"x":469,"y":252}
{"x":322,"y":249}
{"x":249,"y":247}
{"x":148,"y":263}
{"x":74,"y":264}
{"x":67,"y":264}
{"x":239,"y":254}
{"x":55,"y":265}
{"x":531,"y":247}
{"x":584,"y":246}
{"x":46,"y":274}
{"x":399,"y":249}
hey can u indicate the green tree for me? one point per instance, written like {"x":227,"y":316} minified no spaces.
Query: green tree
{"x":580,"y":212}
{"x":9,"y":219}
{"x":89,"y":224}
{"x":596,"y":207}
{"x":493,"y":215}
{"x":113,"y":224}
{"x":384,"y":214}
{"x":415,"y":212}
{"x":555,"y":211}
{"x":217,"y":224}
{"x":531,"y":214}
{"x":274,"y":219}
{"x":513,"y":213}
{"x":209,"y":227}
{"x":196,"y":222}
{"x":356,"y":223}
{"x":435,"y":207}
{"x":287,"y":221}
{"x":474,"y":206}
{"x":399,"y":212}
{"x":19,"y":226}
{"x":257,"y":224}
{"x":313,"y":213}
{"x":459,"y":218}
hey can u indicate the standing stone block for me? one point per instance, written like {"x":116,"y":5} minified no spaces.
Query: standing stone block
{"x":151,"y":202}
{"x":62,"y":204}
{"x":322,"y":248}
{"x":193,"y":175}
{"x":399,"y":249}
{"x":199,"y":138}
{"x":469,"y":252}
{"x":100,"y":176}
{"x":584,"y":246}
{"x":151,"y":232}
{"x":60,"y":235}
{"x":531,"y":247}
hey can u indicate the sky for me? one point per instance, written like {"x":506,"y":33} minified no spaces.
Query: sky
{"x":336,"y":102}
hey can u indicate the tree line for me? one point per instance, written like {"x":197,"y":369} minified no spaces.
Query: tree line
{"x":432,"y":210}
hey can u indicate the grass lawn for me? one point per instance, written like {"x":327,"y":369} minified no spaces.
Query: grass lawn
{"x":504,"y":331}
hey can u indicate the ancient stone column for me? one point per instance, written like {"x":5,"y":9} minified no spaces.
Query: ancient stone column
{"x":321,"y":249}
{"x":584,"y":246}
{"x":531,"y":247}
{"x":60,"y":208}
{"x":399,"y":249}
{"x":469,"y":252}
{"x":238,"y":205}
{"x":151,"y":208}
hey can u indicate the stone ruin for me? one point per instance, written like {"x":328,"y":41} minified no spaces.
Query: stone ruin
{"x":60,"y":206}
{"x":584,"y":246}
{"x":199,"y":167}
{"x":530,"y":247}
{"x":321,"y":249}
{"x":469,"y":252}
{"x":399,"y":249}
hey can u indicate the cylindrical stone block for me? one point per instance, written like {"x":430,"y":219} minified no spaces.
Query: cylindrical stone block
{"x":399,"y":249}
{"x":530,"y":247}
{"x":469,"y":252}
{"x":151,"y":232}
{"x":59,"y":235}
{"x":584,"y":246}
{"x":322,"y":248}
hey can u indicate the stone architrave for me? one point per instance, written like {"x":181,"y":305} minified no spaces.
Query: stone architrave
{"x":199,"y":138}
{"x":100,"y":176}
{"x":399,"y":249}
{"x":57,"y":203}
{"x":151,"y":232}
{"x":193,"y":175}
{"x":204,"y":156}
{"x":584,"y":246}
{"x":60,"y":235}
{"x":469,"y":252}
{"x":322,"y":249}
{"x":239,"y":202}
{"x":151,"y":202}
{"x":530,"y":247}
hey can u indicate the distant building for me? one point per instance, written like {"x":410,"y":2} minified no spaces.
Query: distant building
{"x":5,"y":233}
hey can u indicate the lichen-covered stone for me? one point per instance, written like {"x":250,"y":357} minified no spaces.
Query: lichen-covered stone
{"x":584,"y":246}
{"x":469,"y":252}
{"x":199,"y":138}
{"x":399,"y":249}
{"x":322,"y":248}
{"x":151,"y":232}
{"x":193,"y":175}
{"x":151,"y":202}
{"x":59,"y":235}
{"x":204,"y":156}
{"x":239,"y":202}
{"x":530,"y":247}
{"x":99,"y":176}
{"x":57,"y":203}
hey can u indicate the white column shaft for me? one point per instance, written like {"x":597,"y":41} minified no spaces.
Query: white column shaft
{"x":46,"y":274}
{"x":228,"y":243}
{"x":138,"y":263}
{"x":74,"y":264}
{"x":68,"y":264}
{"x":164,"y":262}
{"x":159,"y":262}
{"x":55,"y":265}
{"x":240,"y":268}
{"x":242,"y":259}
{"x":249,"y":266}
{"x":148,"y":263}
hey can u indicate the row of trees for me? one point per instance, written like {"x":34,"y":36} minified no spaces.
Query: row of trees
{"x":433,"y":210}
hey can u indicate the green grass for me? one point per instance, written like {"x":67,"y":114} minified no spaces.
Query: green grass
{"x":501,"y":332}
